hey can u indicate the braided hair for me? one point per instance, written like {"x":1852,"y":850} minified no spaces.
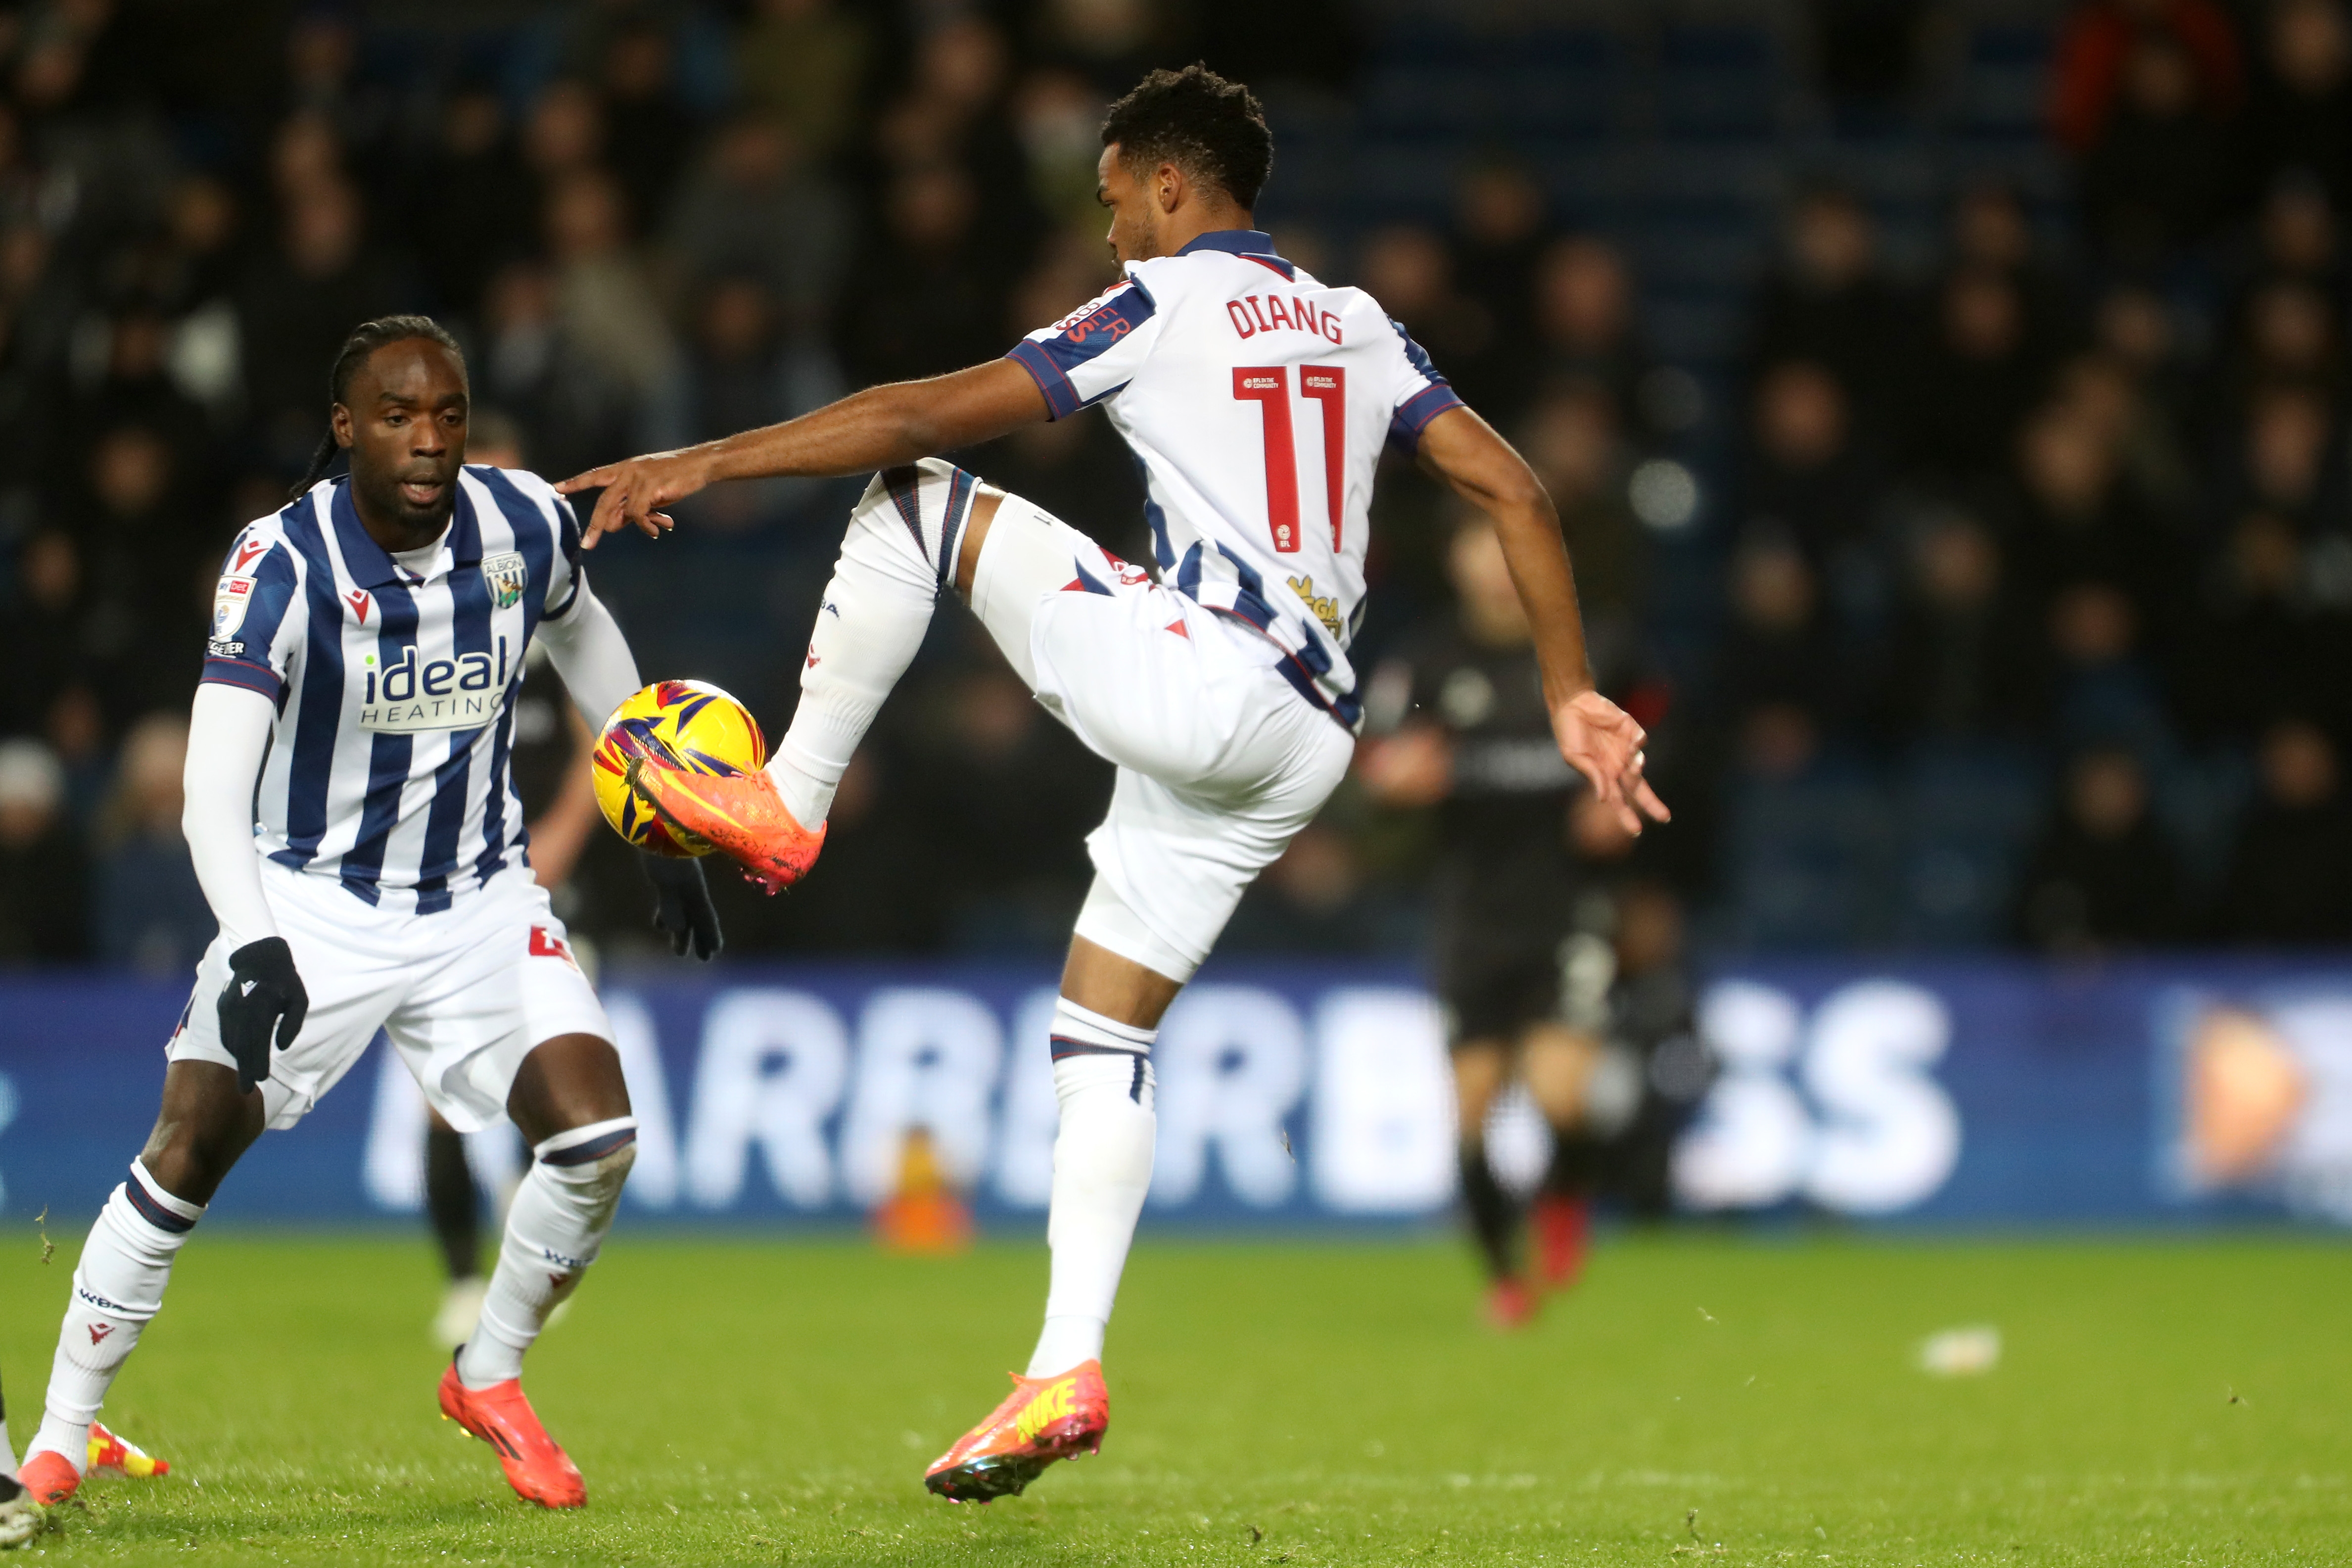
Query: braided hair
{"x":365,"y":339}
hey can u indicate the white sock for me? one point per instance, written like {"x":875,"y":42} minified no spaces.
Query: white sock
{"x":555,"y":1226}
{"x":117,"y":1287}
{"x":1102,"y":1168}
{"x":896,"y":559}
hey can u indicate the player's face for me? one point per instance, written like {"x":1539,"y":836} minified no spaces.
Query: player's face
{"x":1132,"y":231}
{"x":404,"y":424}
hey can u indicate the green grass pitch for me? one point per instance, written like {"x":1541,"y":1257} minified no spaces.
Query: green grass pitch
{"x":1700,"y":1398}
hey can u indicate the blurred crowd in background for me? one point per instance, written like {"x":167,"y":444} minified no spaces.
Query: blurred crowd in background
{"x":1946,"y":401}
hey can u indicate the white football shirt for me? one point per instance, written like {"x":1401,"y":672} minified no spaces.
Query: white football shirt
{"x":1257,"y":400}
{"x":388,"y":770}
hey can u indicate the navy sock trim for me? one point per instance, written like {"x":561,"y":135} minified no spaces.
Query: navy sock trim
{"x":155,"y":1213}
{"x":1065,"y":1046}
{"x":594,"y":1148}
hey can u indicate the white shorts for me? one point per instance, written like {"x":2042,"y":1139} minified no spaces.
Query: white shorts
{"x":464,"y":995}
{"x":1221,"y":762}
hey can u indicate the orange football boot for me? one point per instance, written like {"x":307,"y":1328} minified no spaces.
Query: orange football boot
{"x":49,"y":1477}
{"x":1041,"y":1420}
{"x":113,"y":1456}
{"x":741,"y":815}
{"x":499,"y":1415}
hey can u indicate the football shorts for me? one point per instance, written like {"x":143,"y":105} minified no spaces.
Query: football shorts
{"x":463,"y":995}
{"x":1221,"y":761}
{"x":1492,"y":992}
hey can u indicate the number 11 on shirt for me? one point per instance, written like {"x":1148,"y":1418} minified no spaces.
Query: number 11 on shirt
{"x":1268,"y":386}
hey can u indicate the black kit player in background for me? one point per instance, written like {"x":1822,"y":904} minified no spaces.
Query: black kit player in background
{"x":1555,"y":966}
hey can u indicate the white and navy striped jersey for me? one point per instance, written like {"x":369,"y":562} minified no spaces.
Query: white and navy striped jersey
{"x":1257,"y":400}
{"x":388,"y":769}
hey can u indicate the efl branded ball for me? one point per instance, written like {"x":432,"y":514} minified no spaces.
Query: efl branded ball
{"x":697,"y":724}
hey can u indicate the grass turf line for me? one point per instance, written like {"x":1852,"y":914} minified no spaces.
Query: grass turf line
{"x":1300,"y":1405}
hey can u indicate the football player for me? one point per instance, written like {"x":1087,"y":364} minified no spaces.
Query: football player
{"x":1460,"y":724}
{"x":1257,"y":400}
{"x":355,"y":828}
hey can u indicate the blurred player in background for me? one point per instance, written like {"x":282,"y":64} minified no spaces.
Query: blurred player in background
{"x":1459,"y":722}
{"x":1257,"y":401}
{"x":365,"y":643}
{"x":549,"y":759}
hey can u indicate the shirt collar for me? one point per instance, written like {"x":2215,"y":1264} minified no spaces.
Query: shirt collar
{"x":372,"y":566}
{"x":1235,"y":241}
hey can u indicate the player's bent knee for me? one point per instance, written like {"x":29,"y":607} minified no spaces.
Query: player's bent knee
{"x":568,"y":1082}
{"x":201,"y":1129}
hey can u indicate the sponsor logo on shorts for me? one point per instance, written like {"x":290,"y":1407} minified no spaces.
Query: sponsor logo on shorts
{"x":545,"y":943}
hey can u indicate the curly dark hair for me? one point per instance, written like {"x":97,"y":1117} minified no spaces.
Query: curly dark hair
{"x":1213,"y":129}
{"x":365,"y":339}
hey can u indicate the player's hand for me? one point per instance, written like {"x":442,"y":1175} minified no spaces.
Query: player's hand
{"x":636,"y":491}
{"x":1602,"y":742}
{"x":263,"y":999}
{"x":1413,"y":767}
{"x":682,"y":908}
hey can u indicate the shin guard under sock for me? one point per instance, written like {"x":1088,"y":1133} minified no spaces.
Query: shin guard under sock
{"x":118,"y":1287}
{"x":554,"y":1229}
{"x":896,"y":559}
{"x":1102,"y":1168}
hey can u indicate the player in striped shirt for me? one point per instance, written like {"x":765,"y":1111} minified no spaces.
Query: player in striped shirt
{"x":366,"y":644}
{"x":1256,"y":400}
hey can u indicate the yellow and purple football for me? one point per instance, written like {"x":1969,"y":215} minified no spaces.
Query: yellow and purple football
{"x":691,"y":722}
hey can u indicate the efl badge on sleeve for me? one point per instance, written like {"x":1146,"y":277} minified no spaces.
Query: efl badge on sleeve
{"x":507,"y":576}
{"x":230,"y":601}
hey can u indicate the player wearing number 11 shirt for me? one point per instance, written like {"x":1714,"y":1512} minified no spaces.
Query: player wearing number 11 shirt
{"x":1257,"y":401}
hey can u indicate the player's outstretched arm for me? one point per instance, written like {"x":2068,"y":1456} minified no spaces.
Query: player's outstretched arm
{"x":1599,"y":739}
{"x":879,"y":427}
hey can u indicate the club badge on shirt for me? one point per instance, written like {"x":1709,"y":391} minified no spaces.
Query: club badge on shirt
{"x":505,"y":575}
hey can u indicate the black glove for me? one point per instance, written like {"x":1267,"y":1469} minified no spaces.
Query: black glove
{"x":682,"y":908}
{"x":263,"y":997}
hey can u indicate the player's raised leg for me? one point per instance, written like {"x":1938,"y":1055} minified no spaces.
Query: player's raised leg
{"x":571,"y":1101}
{"x":899,"y":554}
{"x":204,"y":1124}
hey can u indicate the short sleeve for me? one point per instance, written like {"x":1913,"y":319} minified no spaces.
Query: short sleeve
{"x":1422,"y":395}
{"x":1093,"y":351}
{"x":257,"y":617}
